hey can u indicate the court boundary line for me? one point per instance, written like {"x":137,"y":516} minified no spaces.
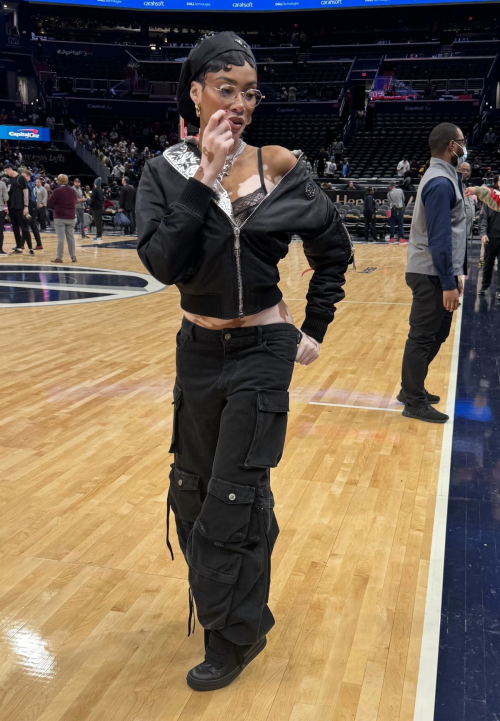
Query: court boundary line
{"x":359,"y":408}
{"x":425,"y":699}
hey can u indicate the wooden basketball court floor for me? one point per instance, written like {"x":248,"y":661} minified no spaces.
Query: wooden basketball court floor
{"x":93,"y":613}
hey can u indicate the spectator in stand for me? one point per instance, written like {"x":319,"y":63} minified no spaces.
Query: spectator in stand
{"x":346,"y":170}
{"x":489,"y":230}
{"x":338,"y":150}
{"x":403,"y":167}
{"x":396,"y":198}
{"x":63,"y":202}
{"x":330,"y":168}
{"x":18,"y":208}
{"x":414,"y":168}
{"x":80,"y":206}
{"x":490,"y":137}
{"x":50,"y":122}
{"x":322,"y":158}
{"x":118,"y":171}
{"x":4,"y":198}
{"x":32,"y":207}
{"x":127,"y":204}
{"x":292,"y":94}
{"x":41,"y":203}
{"x":114,"y":190}
{"x":489,"y":176}
{"x":351,"y":186}
{"x":308,"y":164}
{"x":370,"y":218}
{"x":96,"y":205}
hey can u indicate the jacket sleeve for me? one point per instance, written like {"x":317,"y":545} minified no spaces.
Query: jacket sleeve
{"x":52,"y":200}
{"x":327,"y":247}
{"x":168,"y":236}
{"x":121,"y":199}
{"x":489,"y":196}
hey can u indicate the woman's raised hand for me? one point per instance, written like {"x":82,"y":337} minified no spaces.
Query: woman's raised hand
{"x":217,"y":142}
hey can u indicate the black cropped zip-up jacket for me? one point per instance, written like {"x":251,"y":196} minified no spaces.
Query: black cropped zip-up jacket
{"x":187,"y":237}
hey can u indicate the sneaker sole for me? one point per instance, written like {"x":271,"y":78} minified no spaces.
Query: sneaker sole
{"x":433,"y":403}
{"x":226,"y":680}
{"x":420,"y":418}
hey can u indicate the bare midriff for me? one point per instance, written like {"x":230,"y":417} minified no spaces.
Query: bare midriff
{"x":279,"y":313}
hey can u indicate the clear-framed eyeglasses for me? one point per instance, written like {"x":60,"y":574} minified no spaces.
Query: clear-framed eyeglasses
{"x":228,"y":94}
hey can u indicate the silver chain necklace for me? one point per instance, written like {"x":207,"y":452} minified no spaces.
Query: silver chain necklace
{"x":230,"y":161}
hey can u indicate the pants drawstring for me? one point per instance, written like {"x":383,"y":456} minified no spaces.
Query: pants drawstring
{"x":192,"y":615}
{"x":169,"y":545}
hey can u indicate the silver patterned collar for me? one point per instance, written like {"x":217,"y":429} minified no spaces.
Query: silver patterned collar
{"x":186,"y":162}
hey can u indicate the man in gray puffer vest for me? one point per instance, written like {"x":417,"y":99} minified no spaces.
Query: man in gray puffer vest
{"x":436,"y":261}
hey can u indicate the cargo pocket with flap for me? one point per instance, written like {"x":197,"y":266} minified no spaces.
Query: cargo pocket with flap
{"x":213,"y":549}
{"x":268,"y":431}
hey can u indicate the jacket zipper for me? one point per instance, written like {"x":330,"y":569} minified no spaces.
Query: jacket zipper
{"x":237,"y":244}
{"x":239,"y":279}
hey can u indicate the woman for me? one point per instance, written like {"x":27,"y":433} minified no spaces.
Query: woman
{"x":215,"y":219}
{"x":489,"y":243}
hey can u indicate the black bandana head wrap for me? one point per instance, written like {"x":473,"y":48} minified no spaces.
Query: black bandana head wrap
{"x":209,"y":48}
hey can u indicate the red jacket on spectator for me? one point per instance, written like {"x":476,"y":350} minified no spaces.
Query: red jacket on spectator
{"x":63,"y":202}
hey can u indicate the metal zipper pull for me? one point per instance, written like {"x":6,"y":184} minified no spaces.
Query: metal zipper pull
{"x":237,"y":255}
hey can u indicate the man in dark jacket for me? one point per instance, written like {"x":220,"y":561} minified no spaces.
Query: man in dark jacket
{"x":63,"y":203}
{"x":32,"y":207}
{"x":127,"y":204}
{"x":96,"y":204}
{"x":369,"y":213}
{"x":18,"y":206}
{"x":489,"y":229}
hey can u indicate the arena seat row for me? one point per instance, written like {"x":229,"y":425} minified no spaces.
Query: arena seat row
{"x":308,"y":133}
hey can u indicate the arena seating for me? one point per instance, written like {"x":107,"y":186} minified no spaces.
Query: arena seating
{"x":88,"y":67}
{"x":308,"y":132}
{"x":451,"y":74}
{"x":376,"y":153}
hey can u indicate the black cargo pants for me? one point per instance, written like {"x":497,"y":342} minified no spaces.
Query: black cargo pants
{"x":230,"y":417}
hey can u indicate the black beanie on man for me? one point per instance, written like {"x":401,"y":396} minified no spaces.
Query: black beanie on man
{"x":209,"y":48}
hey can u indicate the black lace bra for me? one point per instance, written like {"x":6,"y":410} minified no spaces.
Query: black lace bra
{"x":244,"y":207}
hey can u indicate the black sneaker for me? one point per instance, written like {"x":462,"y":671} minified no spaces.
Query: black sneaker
{"x":224,"y":661}
{"x":483,"y":291}
{"x":31,"y":251}
{"x":16,"y":251}
{"x":401,"y":397}
{"x":425,"y":413}
{"x":2,"y":252}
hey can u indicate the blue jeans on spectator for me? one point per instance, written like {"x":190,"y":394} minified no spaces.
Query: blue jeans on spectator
{"x":397,"y":217}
